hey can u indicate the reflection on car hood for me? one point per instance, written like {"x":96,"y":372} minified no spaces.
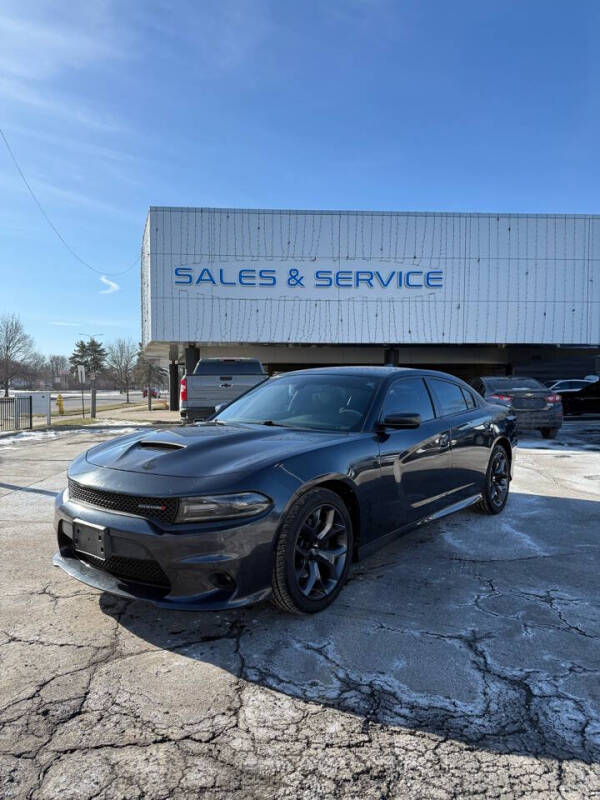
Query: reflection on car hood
{"x":203,"y":450}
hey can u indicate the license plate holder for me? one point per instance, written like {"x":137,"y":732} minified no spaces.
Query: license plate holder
{"x":90,"y":540}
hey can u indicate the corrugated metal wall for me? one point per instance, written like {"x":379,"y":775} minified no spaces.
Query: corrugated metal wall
{"x":507,"y":278}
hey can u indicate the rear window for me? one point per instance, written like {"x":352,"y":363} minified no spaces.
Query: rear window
{"x":514,"y":383}
{"x":228,"y":366}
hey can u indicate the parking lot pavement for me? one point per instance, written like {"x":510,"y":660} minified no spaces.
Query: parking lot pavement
{"x":461,"y":661}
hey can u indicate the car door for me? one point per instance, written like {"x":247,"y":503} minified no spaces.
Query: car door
{"x":470,"y":440}
{"x":470,"y":437}
{"x":415,"y":462}
{"x":587,"y":400}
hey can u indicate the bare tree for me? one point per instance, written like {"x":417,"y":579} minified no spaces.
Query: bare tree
{"x":120,"y":360}
{"x":36,"y":371}
{"x":57,"y":366}
{"x":149,"y":373}
{"x":15,"y":348}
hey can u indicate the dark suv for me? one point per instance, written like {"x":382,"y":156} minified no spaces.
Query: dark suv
{"x":534,"y":405}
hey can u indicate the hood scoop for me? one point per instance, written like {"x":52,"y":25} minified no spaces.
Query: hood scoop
{"x":158,"y":444}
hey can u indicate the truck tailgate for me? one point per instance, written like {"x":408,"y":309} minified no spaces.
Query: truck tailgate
{"x":207,"y":391}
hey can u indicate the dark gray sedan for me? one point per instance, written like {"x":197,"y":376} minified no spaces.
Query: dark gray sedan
{"x":534,"y":405}
{"x":281,"y":490}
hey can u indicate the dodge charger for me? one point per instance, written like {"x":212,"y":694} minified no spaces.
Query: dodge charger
{"x":282,"y":489}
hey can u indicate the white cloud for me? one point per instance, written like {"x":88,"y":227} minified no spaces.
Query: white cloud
{"x":65,"y":324}
{"x":41,"y":42}
{"x":112,"y":286}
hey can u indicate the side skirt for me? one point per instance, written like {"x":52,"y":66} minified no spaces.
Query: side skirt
{"x":381,"y":541}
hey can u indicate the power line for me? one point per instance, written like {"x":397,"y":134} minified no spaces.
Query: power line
{"x":53,"y":226}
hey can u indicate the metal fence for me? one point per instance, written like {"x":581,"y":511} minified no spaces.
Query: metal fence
{"x":15,"y":413}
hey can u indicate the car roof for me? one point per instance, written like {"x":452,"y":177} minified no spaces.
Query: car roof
{"x":372,"y":371}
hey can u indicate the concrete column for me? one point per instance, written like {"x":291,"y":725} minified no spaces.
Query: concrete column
{"x":192,"y":355}
{"x":391,"y":356}
{"x":173,"y":386}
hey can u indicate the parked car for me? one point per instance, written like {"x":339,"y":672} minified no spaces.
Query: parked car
{"x":582,"y":400}
{"x":154,"y":391}
{"x":568,"y":386}
{"x":216,"y":382}
{"x":282,"y":489}
{"x":535,"y":406}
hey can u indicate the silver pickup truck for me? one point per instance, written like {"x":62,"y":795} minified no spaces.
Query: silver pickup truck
{"x":216,"y":381}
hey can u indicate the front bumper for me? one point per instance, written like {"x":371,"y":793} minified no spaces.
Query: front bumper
{"x":206,"y":568}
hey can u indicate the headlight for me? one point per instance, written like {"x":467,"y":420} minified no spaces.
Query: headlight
{"x":221,"y":506}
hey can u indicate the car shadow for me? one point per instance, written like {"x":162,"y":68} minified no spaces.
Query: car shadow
{"x":576,"y":433}
{"x":482,"y":629}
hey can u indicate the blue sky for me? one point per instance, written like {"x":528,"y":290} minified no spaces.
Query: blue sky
{"x":369,"y":104}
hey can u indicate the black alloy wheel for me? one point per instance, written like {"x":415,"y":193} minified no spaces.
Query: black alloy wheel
{"x":497,"y":482}
{"x":313,"y":553}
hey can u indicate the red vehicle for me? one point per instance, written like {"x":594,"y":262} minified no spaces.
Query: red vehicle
{"x":154,"y":390}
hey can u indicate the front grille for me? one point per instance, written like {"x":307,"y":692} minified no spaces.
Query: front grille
{"x":163,"y":509}
{"x":528,"y":403}
{"x":133,"y":569}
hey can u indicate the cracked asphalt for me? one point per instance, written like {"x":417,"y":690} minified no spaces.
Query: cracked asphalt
{"x":461,"y":661}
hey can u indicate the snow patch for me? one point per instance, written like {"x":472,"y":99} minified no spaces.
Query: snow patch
{"x":116,"y":427}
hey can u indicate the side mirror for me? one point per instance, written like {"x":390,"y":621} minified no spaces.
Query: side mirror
{"x":220,"y":408}
{"x":399,"y":421}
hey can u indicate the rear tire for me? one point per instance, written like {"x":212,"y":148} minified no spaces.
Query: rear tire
{"x":497,"y":482}
{"x":313,"y":553}
{"x":549,"y":433}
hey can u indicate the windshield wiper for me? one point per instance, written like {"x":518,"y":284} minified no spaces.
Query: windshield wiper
{"x":273,"y":424}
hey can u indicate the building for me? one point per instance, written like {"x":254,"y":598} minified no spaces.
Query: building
{"x":468,"y":293}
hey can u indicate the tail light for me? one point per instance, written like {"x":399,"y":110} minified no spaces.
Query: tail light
{"x":183,"y":390}
{"x":553,"y":398}
{"x":504,"y":398}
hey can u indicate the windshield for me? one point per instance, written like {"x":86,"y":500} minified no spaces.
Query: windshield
{"x":512,"y":384}
{"x":318,"y":402}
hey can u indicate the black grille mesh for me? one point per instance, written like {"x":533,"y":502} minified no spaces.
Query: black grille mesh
{"x":133,"y":569}
{"x":126,"y":503}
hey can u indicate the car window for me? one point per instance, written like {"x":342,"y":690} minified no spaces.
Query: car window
{"x":228,"y":366}
{"x":449,"y":396}
{"x":470,"y":400}
{"x":317,"y":402}
{"x":408,"y":396}
{"x":513,"y":383}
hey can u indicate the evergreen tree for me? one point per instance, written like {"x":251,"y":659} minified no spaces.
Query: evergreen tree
{"x":90,"y":355}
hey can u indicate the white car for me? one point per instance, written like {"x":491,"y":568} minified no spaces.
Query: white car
{"x":571,"y":385}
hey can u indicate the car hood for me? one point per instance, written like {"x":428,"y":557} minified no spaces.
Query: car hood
{"x":205,"y":450}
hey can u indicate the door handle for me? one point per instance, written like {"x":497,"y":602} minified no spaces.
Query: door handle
{"x":444,"y":439}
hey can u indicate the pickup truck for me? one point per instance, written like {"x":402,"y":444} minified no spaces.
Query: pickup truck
{"x":217,"y":381}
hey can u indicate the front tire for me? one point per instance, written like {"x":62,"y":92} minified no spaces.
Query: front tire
{"x":497,"y":482}
{"x":313,"y":553}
